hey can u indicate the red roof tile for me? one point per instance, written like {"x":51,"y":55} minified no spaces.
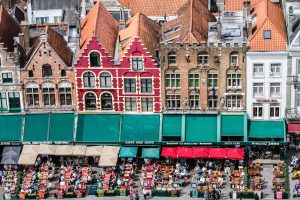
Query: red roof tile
{"x":100,"y":23}
{"x":234,"y":5}
{"x":125,"y":2}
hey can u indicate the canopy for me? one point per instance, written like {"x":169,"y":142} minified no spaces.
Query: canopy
{"x":151,"y":153}
{"x":10,"y":128}
{"x":294,"y":128}
{"x":110,"y":151}
{"x":183,"y":152}
{"x":36,"y":127}
{"x":11,"y":151}
{"x":61,"y":127}
{"x":64,"y":150}
{"x":235,"y":153}
{"x":172,"y":125}
{"x":79,"y":150}
{"x":128,"y":152}
{"x":169,"y":152}
{"x":31,"y":149}
{"x":226,"y":125}
{"x":94,"y":151}
{"x":27,"y":159}
{"x":217,"y":153}
{"x":108,"y":161}
{"x":46,"y":149}
{"x":10,"y":160}
{"x":200,"y":152}
{"x":267,"y":129}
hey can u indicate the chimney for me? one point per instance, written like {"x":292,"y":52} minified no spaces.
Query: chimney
{"x":24,"y":36}
{"x":219,"y":29}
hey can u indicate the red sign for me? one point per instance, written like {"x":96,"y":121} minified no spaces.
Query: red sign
{"x":278,"y":195}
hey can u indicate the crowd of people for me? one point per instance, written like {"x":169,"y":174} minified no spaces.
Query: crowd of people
{"x":9,"y":179}
{"x":107,"y":179}
{"x":126,"y":173}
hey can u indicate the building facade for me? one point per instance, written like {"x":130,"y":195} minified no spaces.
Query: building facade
{"x":48,"y":77}
{"x":266,"y":62}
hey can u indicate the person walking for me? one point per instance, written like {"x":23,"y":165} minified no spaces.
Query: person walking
{"x":206,"y":194}
{"x":137,"y":195}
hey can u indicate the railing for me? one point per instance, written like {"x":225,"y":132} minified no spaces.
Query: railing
{"x":292,"y":114}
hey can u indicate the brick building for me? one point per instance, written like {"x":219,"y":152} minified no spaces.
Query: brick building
{"x":116,"y":71}
{"x":202,"y":69}
{"x":48,"y":76}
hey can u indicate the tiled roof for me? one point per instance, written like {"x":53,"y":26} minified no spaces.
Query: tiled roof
{"x":125,"y":2}
{"x":57,"y":42}
{"x":54,"y":4}
{"x":155,"y":7}
{"x":147,"y":30}
{"x":8,"y":29}
{"x":268,"y":17}
{"x":100,"y":23}
{"x":234,"y":5}
{"x":191,"y":26}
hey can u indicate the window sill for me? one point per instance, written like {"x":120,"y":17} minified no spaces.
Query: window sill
{"x":234,"y":87}
{"x":130,"y":93}
{"x":89,"y":88}
{"x":106,"y":88}
{"x":50,"y":77}
{"x":172,"y":65}
{"x":173,"y":87}
{"x":258,"y":76}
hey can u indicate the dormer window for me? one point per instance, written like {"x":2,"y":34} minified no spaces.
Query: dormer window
{"x":137,"y":63}
{"x":94,"y":59}
{"x":267,"y":34}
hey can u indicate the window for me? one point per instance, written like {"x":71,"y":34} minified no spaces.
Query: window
{"x":212,"y":101}
{"x":234,"y":58}
{"x":258,"y":89}
{"x":46,"y":71}
{"x":146,"y":85}
{"x":130,"y":85}
{"x":32,"y":96}
{"x":63,"y":73}
{"x":173,"y":101}
{"x":105,"y":80}
{"x":90,"y":101}
{"x":106,"y":101}
{"x":194,"y":101}
{"x":194,"y":80}
{"x":275,"y":70}
{"x":147,"y":104}
{"x":7,"y":77}
{"x":137,"y":63}
{"x":57,"y":19}
{"x":42,"y":20}
{"x":65,"y":96}
{"x":172,"y":58}
{"x":234,"y":101}
{"x":234,"y":79}
{"x":14,"y":100}
{"x":88,"y":79}
{"x":3,"y":101}
{"x":172,"y":80}
{"x":257,"y":110}
{"x":130,"y":104}
{"x":267,"y":34}
{"x":212,"y":80}
{"x":275,"y":89}
{"x":94,"y":59}
{"x":258,"y":70}
{"x":49,"y":95}
{"x":274,"y":110}
{"x":298,"y":68}
{"x":203,"y":58}
{"x":30,"y":74}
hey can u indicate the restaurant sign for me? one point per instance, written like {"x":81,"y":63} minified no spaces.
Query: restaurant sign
{"x":266,"y":100}
{"x":46,"y":142}
{"x":190,"y":144}
{"x":265,"y":143}
{"x":10,"y":143}
{"x":140,"y":142}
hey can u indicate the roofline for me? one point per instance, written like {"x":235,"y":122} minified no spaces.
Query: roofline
{"x":250,"y":53}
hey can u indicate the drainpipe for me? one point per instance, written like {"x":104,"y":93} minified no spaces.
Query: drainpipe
{"x":75,"y":126}
{"x":219,"y":128}
{"x":183,"y":127}
{"x":245,"y":127}
{"x":120,"y":129}
{"x":160,"y":128}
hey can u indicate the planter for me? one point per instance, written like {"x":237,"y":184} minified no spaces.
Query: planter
{"x":165,"y":193}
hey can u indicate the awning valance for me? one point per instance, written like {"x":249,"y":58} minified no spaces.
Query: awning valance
{"x":183,"y":152}
{"x":267,"y":129}
{"x":232,"y":125}
{"x":172,"y":125}
{"x":10,"y":128}
{"x":235,"y":153}
{"x":153,"y":153}
{"x":169,"y":152}
{"x":294,"y":128}
{"x":200,"y":152}
{"x":217,"y":153}
{"x":128,"y":152}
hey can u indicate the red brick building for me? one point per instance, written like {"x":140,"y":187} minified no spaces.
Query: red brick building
{"x":117,"y":70}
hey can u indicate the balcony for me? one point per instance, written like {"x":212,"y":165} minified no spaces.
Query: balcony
{"x":294,"y":80}
{"x":292,"y":114}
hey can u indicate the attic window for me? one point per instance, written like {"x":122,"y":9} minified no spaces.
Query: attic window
{"x":267,"y":34}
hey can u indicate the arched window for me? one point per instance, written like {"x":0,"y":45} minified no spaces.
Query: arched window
{"x":106,"y":101}
{"x":94,"y":59}
{"x":172,"y":58}
{"x":30,"y":74}
{"x":105,"y":80}
{"x":48,"y":94}
{"x":90,"y":101}
{"x":88,"y":79}
{"x":46,"y":71}
{"x":203,"y":58}
{"x":63,"y":73}
{"x":65,"y":93}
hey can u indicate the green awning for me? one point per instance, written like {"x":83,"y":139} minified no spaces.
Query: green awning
{"x":128,"y":152}
{"x":153,"y":153}
{"x":232,"y":125}
{"x":10,"y":128}
{"x":267,"y":129}
{"x":36,"y":128}
{"x":140,"y":128}
{"x":61,"y":127}
{"x":98,"y":128}
{"x":201,"y":128}
{"x":172,"y":125}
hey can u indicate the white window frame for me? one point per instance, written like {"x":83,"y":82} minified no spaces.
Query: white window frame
{"x":275,"y":70}
{"x":173,"y":99}
{"x":138,"y":67}
{"x":147,"y":104}
{"x":130,"y":104}
{"x":170,"y":76}
{"x":275,"y":106}
{"x":234,"y":77}
{"x":258,"y":107}
{"x":258,"y":70}
{"x":259,"y":87}
{"x":234,"y":102}
{"x":275,"y":89}
{"x":193,"y":100}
